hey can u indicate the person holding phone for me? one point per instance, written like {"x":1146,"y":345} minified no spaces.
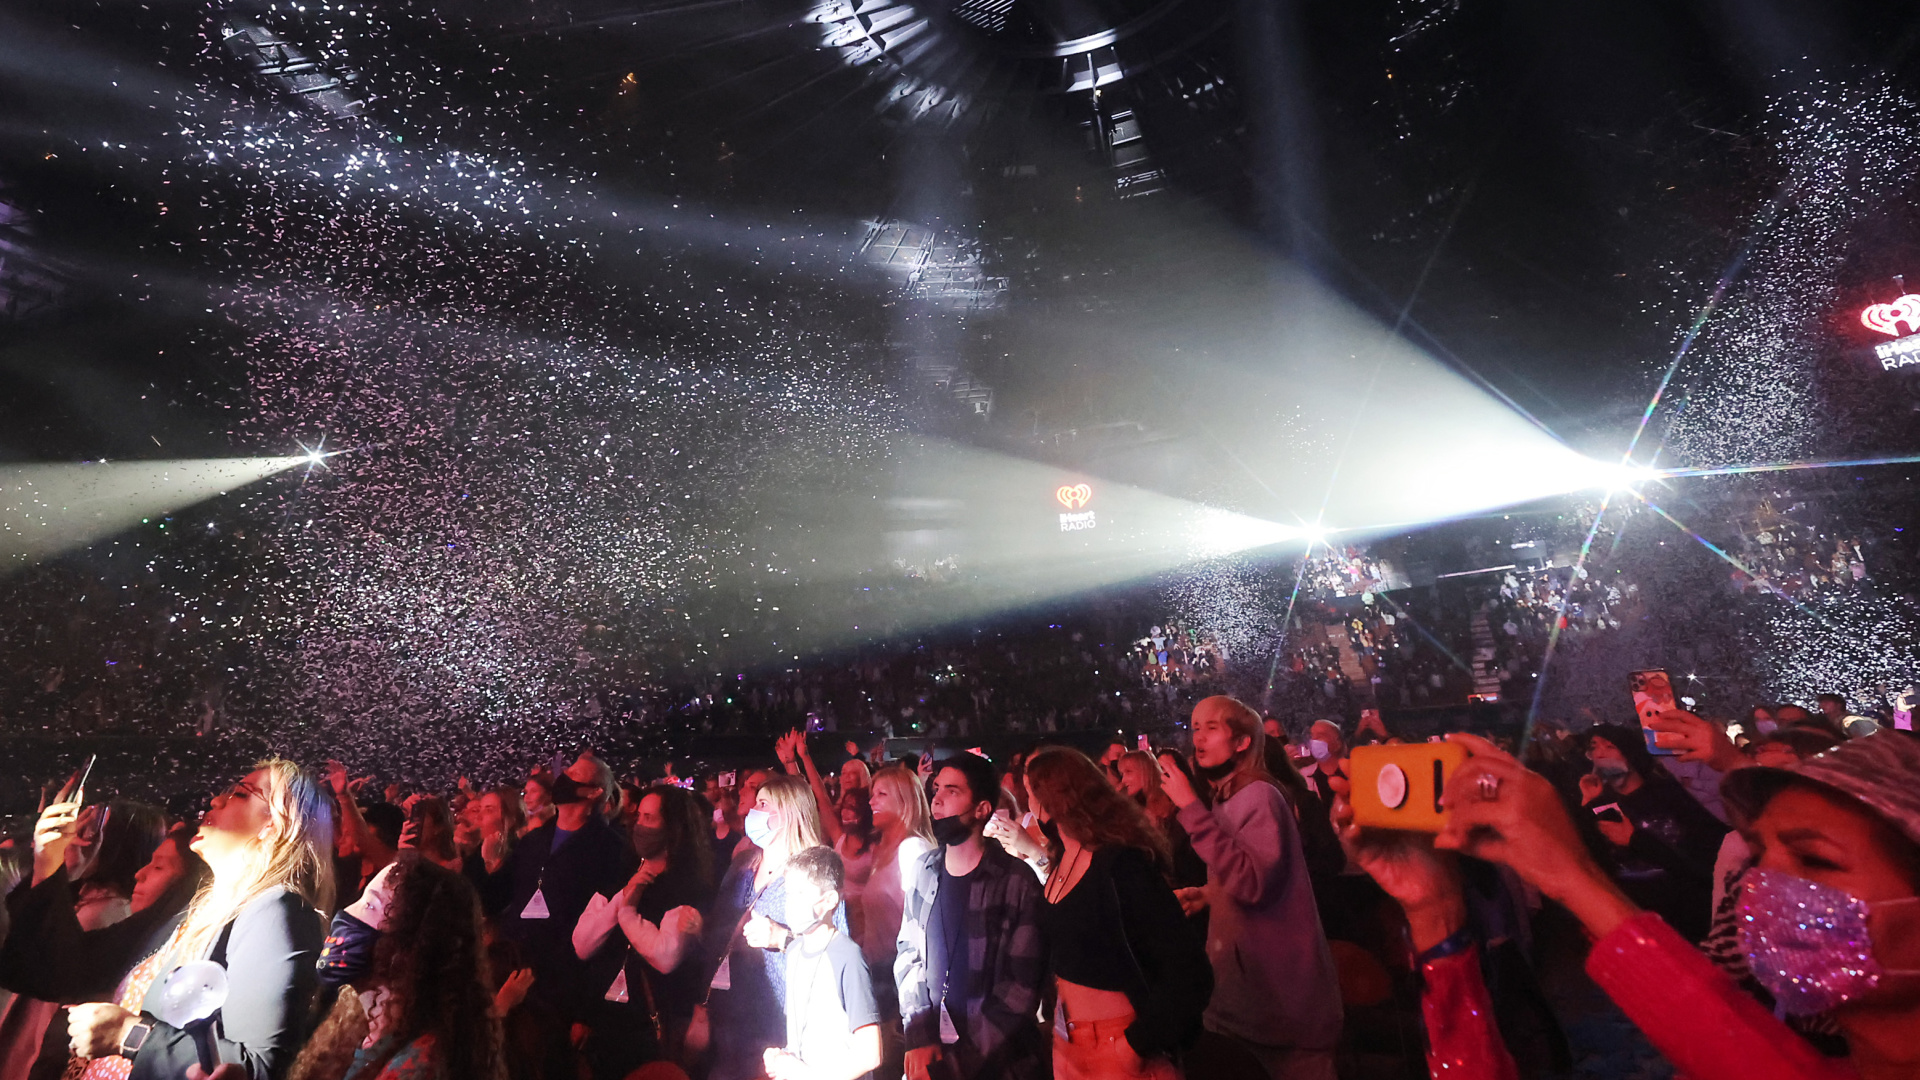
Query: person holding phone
{"x":268,"y":841}
{"x":1275,"y":990}
{"x":1657,"y":840}
{"x":86,"y":858}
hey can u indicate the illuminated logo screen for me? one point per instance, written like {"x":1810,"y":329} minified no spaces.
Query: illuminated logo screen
{"x":1889,"y":318}
{"x":1074,"y":497}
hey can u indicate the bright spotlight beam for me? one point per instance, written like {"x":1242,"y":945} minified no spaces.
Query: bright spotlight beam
{"x":48,"y":509}
{"x":1787,"y":466}
{"x":988,"y":533}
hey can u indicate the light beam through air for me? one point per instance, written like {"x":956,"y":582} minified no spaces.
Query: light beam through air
{"x":48,"y":509}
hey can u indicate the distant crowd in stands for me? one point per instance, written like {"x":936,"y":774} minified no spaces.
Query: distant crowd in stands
{"x":1779,"y":554}
{"x":1350,"y":570}
{"x":1176,"y":654}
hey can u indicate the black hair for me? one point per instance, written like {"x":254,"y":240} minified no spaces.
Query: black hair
{"x":983,"y":780}
{"x":385,"y":819}
{"x":686,"y":819}
{"x":1837,"y":699}
{"x":132,"y":831}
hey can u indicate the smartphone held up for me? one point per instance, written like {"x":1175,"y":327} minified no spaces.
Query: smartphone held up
{"x":1400,"y":787}
{"x":1652,"y":695}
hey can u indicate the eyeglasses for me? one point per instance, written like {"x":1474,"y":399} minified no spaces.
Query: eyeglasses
{"x":245,"y":790}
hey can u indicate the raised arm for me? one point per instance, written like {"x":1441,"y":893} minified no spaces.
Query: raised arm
{"x":1248,"y":862}
{"x":829,"y":814}
{"x":351,"y":823}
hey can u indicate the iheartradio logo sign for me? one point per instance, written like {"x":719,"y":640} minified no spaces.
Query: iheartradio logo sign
{"x":1075,"y":496}
{"x":1889,"y":318}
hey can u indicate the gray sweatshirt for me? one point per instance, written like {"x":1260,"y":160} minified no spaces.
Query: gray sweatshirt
{"x":1274,"y":981}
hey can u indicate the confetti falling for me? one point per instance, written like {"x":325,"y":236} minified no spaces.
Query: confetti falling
{"x":1754,"y":375}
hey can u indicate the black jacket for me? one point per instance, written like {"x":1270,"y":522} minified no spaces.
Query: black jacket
{"x":48,"y":956}
{"x":595,"y":859}
{"x":269,"y":951}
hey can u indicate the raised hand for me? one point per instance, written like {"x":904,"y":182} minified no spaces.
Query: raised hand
{"x":1591,"y":788}
{"x":53,"y":833}
{"x":1694,"y":739}
{"x":512,"y":992}
{"x":1406,"y":866}
{"x":1501,"y":811}
{"x":1175,"y":784}
{"x":493,"y":851}
{"x":95,"y":1030}
{"x":336,"y":775}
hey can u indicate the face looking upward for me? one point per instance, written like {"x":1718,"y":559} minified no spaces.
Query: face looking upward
{"x":750,"y":788}
{"x":238,"y":818}
{"x":161,"y":872}
{"x":536,"y":796}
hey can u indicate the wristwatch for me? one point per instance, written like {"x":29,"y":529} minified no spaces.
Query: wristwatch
{"x":134,"y":1039}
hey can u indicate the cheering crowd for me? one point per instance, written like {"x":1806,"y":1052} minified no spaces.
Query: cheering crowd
{"x":1211,"y":911}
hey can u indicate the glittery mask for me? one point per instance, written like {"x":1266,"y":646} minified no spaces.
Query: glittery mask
{"x":1808,"y":943}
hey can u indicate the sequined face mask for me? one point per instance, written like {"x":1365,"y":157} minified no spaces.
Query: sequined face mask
{"x":1808,"y":943}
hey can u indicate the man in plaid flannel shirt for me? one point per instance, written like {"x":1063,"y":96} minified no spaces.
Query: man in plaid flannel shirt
{"x":982,"y":1024}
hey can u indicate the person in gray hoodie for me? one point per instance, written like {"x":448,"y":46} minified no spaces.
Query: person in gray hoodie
{"x":1275,"y":992}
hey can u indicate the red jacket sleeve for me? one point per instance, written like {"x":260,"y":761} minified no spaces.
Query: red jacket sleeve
{"x":1694,"y":1014}
{"x":1462,"y":1038}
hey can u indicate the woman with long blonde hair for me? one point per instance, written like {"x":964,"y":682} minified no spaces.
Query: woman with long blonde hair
{"x":903,"y":823}
{"x":748,"y":932}
{"x":269,"y":842}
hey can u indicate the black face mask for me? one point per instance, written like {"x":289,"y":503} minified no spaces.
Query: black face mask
{"x":1050,"y":830}
{"x":565,"y":790}
{"x":649,"y":842}
{"x":1214,"y":773}
{"x":347,"y":957}
{"x":948,"y":831}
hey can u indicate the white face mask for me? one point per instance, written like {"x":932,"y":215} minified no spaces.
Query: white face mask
{"x":758,"y":825}
{"x":1319,"y":749}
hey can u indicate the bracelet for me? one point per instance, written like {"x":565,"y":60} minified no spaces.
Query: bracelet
{"x":1452,"y":945}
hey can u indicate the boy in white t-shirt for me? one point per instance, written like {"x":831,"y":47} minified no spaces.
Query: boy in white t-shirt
{"x":833,"y":1025}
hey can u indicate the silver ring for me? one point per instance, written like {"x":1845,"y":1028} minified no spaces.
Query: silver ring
{"x":1489,"y":786}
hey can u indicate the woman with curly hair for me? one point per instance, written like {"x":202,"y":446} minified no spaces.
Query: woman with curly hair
{"x":645,"y":981}
{"x":432,"y":1017}
{"x":1131,"y":977}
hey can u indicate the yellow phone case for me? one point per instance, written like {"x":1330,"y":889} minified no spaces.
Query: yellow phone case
{"x":1399,"y":787}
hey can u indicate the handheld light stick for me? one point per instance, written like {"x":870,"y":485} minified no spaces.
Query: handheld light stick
{"x":189,"y":997}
